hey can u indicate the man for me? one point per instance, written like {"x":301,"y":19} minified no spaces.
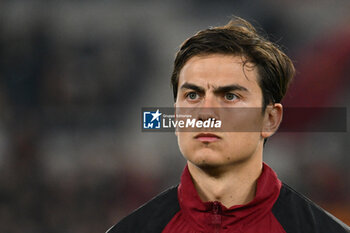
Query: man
{"x":225,"y":186}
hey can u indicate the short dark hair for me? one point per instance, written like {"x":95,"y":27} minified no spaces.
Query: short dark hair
{"x":240,"y":38}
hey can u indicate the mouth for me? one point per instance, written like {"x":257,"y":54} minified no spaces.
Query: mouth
{"x":207,"y":137}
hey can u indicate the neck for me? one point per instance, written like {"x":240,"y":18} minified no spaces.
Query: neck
{"x":231,"y":185}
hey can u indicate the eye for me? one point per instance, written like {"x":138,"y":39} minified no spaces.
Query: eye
{"x":192,"y":95}
{"x":230,"y":96}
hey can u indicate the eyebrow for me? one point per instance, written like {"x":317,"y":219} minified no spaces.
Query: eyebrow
{"x":192,"y":87}
{"x":233,"y":87}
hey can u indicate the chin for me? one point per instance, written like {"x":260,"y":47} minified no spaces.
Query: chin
{"x":204,"y":160}
{"x":215,"y":161}
{"x":214,"y":168}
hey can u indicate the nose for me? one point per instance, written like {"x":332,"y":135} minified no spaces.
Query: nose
{"x":210,"y":101}
{"x":208,"y":108}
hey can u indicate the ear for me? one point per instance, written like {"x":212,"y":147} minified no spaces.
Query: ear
{"x":272,"y":119}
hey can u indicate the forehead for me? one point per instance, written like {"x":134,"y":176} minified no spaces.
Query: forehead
{"x":219,"y":69}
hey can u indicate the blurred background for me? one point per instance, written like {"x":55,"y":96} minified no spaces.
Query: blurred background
{"x":75,"y":74}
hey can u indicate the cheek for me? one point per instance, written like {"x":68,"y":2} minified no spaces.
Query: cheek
{"x":184,"y":141}
{"x":242,"y":145}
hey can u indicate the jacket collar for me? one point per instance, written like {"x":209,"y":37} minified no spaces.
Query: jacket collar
{"x":202,"y":215}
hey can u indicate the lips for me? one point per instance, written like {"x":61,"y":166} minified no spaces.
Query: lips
{"x":207,"y":137}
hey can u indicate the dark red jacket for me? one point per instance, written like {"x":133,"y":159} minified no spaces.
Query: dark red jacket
{"x":255,"y":217}
{"x":276,"y":208}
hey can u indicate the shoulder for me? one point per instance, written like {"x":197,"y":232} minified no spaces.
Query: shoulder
{"x":296,"y":213}
{"x":152,"y":216}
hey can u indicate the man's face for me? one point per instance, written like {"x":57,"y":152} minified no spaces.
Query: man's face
{"x":219,"y":81}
